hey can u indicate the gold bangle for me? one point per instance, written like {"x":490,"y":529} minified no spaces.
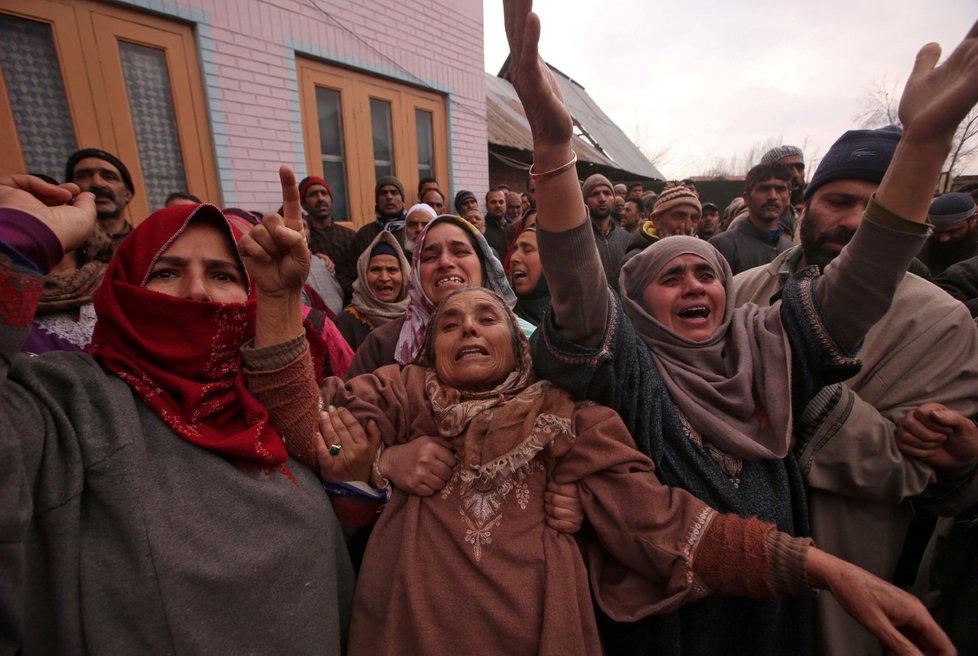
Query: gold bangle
{"x":553,"y":172}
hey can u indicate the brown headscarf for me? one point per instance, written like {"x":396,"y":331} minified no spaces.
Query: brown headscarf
{"x":507,"y":425}
{"x":735,"y":388}
{"x":66,"y":291}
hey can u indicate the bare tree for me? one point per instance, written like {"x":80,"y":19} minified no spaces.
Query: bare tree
{"x":879,"y":109}
{"x":740,"y":164}
{"x":658,"y":155}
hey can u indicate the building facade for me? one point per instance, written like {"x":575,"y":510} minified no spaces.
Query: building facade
{"x":211,"y":96}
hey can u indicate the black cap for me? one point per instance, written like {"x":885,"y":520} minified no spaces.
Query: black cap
{"x":79,"y":155}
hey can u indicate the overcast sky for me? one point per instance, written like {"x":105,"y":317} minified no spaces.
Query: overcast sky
{"x":703,"y":80}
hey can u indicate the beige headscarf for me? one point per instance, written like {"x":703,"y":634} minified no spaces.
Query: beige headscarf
{"x":735,"y":388}
{"x":364,"y":301}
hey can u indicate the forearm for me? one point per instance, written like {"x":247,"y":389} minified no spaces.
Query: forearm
{"x":278,"y":318}
{"x":560,"y":205}
{"x":908,"y":186}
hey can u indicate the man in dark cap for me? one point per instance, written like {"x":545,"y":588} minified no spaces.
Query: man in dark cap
{"x":332,"y":242}
{"x":924,"y":349}
{"x":389,"y":195}
{"x":465,"y":200}
{"x":758,"y":239}
{"x":709,"y":221}
{"x":104,"y":175}
{"x":612,"y":240}
{"x":954,"y":238}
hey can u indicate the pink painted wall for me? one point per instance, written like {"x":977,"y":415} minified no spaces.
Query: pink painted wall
{"x":247,"y":50}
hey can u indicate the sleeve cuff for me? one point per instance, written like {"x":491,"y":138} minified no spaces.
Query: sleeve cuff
{"x":883,"y":217}
{"x":272,"y":358}
{"x":30,"y":237}
{"x":787,"y":574}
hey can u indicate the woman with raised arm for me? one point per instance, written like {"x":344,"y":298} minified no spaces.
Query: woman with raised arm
{"x":148,"y":503}
{"x":709,"y":392}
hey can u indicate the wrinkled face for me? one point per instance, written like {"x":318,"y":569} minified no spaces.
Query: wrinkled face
{"x":434,"y":199}
{"x":600,"y":202}
{"x":795,"y":164}
{"x":104,"y":181}
{"x":496,"y":204}
{"x":473,"y":342}
{"x":448,"y":261}
{"x":514,"y":208}
{"x":831,"y":217}
{"x":414,"y":223}
{"x":768,"y":200}
{"x":474,"y":216}
{"x":687,"y":297}
{"x":678,"y":220}
{"x":631,"y":215}
{"x":199,"y":266}
{"x":390,"y":201}
{"x":524,"y":264}
{"x":384,"y":277}
{"x":318,"y":204}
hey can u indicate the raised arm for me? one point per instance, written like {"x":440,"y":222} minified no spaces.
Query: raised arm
{"x":560,"y":205}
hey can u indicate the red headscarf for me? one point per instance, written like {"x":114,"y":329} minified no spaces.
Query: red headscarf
{"x":181,"y":356}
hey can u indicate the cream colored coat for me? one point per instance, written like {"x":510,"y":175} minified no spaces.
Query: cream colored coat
{"x":924,"y":349}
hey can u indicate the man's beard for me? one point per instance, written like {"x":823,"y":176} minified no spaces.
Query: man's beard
{"x":599,"y":213}
{"x":813,"y":241}
{"x":951,"y":252}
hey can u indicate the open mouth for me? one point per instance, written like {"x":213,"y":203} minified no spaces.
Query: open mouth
{"x":695,"y":313}
{"x":450,"y":280}
{"x":519,"y":274}
{"x":470,"y":352}
{"x":384,"y":289}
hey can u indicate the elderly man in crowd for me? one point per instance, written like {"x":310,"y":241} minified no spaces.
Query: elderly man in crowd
{"x":923,"y":350}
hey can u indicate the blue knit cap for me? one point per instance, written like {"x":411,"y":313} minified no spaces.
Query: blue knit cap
{"x":857,"y":155}
{"x":951,"y":208}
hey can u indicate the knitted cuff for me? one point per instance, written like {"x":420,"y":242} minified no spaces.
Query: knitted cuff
{"x":787,"y":573}
{"x":272,"y":358}
{"x":733,"y":557}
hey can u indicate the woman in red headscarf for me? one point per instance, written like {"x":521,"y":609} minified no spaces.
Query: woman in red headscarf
{"x":147,"y":501}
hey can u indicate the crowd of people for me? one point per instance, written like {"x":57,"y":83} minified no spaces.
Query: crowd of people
{"x":588,"y":419}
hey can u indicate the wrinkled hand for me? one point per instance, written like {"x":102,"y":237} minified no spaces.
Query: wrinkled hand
{"x":338,"y":426}
{"x":942,"y":438}
{"x":535,"y":84}
{"x":937,"y":98}
{"x":72,"y":224}
{"x":562,"y":503}
{"x":897,"y":619}
{"x":275,"y":252}
{"x":421,"y":467}
{"x":327,"y":261}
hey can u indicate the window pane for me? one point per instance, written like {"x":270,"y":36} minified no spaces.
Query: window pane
{"x":37,"y":96}
{"x":426,"y":143}
{"x":380,"y":121}
{"x":331,"y":146}
{"x":154,"y":120}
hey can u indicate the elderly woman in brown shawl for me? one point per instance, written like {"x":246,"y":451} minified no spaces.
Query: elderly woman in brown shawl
{"x":478,"y":564}
{"x":379,"y":291}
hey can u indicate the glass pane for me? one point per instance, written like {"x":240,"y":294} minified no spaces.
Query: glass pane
{"x":380,"y":121}
{"x":426,"y":143}
{"x":154,"y":120}
{"x":37,"y":95}
{"x":331,"y":147}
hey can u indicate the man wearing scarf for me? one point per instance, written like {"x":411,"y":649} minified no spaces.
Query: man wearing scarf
{"x":104,"y":174}
{"x":389,"y":194}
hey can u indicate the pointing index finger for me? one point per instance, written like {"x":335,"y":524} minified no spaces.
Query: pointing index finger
{"x":291,"y":205}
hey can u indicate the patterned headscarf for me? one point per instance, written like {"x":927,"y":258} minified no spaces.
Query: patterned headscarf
{"x":421,"y":307}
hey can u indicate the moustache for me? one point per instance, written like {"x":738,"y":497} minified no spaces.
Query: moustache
{"x":839,"y":236}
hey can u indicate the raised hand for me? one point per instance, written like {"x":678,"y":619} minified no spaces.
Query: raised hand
{"x":937,"y":98}
{"x":275,"y":252}
{"x":72,"y":224}
{"x":543,"y":103}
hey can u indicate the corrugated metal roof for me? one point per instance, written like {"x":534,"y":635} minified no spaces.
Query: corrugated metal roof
{"x":610,"y":147}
